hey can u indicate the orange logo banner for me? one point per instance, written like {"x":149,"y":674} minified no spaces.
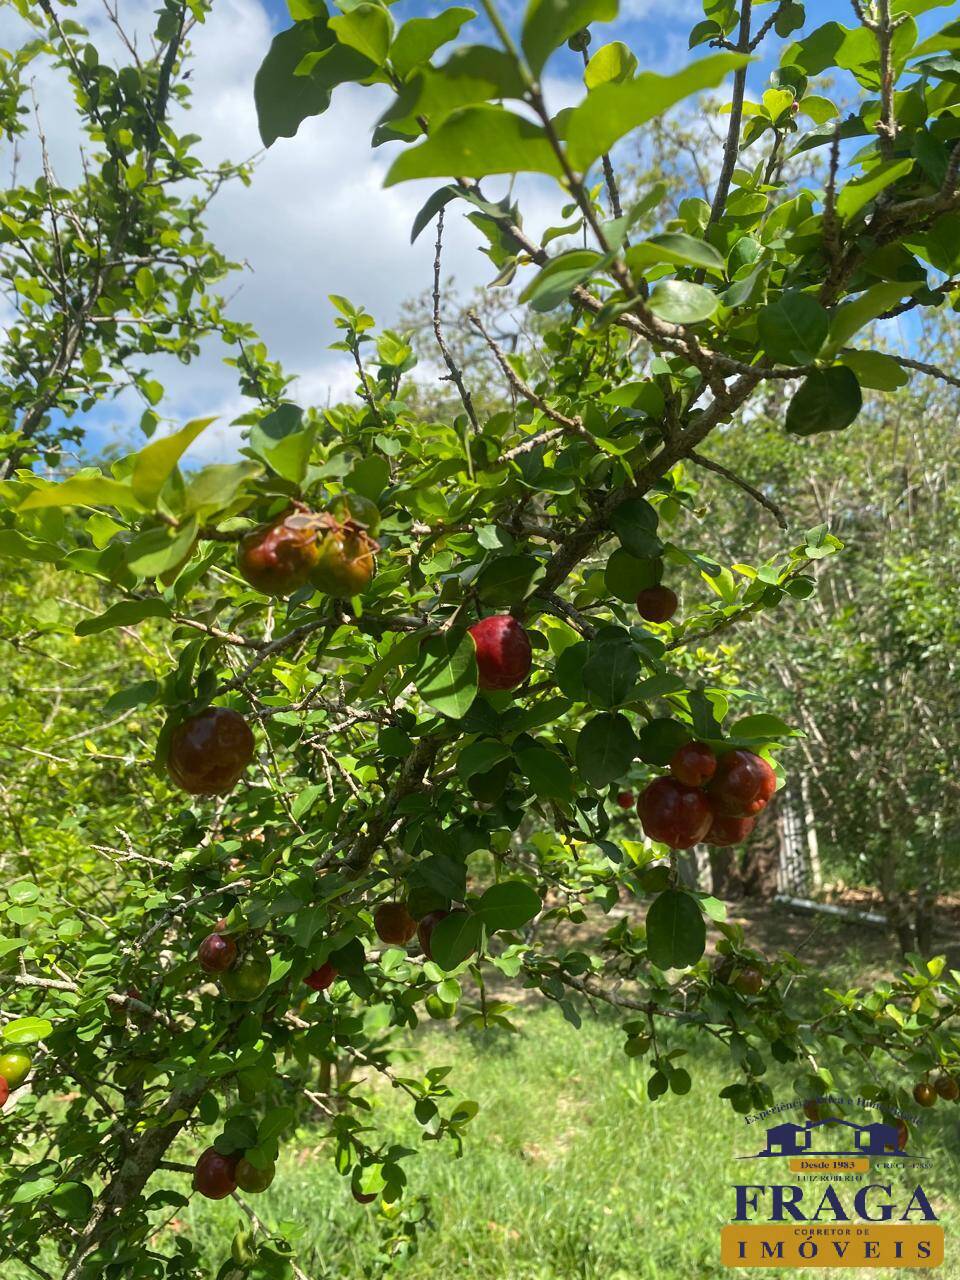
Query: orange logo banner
{"x":832,"y":1245}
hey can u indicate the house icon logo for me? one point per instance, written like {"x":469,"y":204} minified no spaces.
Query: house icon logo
{"x":831,"y":1137}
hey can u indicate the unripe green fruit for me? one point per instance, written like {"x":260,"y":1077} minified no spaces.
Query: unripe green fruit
{"x":249,"y":977}
{"x":250,"y":1178}
{"x":15,"y":1067}
{"x":345,"y":564}
{"x":438,"y":1008}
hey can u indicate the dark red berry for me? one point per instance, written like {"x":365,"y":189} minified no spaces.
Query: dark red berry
{"x":504,"y":656}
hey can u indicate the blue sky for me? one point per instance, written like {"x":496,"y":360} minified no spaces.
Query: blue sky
{"x":316,"y":219}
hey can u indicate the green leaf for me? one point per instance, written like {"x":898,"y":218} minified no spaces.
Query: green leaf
{"x":26,"y":1030}
{"x":284,"y":100}
{"x":547,"y":772}
{"x":158,"y":550}
{"x":635,"y":524}
{"x":876,"y":370}
{"x":155,"y":463}
{"x":18,"y":546}
{"x":480,"y":757}
{"x":72,"y":1200}
{"x":611,"y":669}
{"x":626,"y":575}
{"x":509,"y":579}
{"x":476,"y":142}
{"x":854,"y":314}
{"x":419,"y":38}
{"x":762,"y":726}
{"x":552,"y":285}
{"x":612,"y":110}
{"x":508,"y":905}
{"x":274,"y":1122}
{"x":126,"y":613}
{"x":860,"y":191}
{"x":827,"y":400}
{"x":446,"y":677}
{"x":444,"y":876}
{"x":283,"y":443}
{"x":793,"y":329}
{"x":674,"y":246}
{"x":606,"y":748}
{"x":660,"y":738}
{"x":611,"y":64}
{"x":214,"y":488}
{"x":547,"y":23}
{"x":682,"y":302}
{"x":367,"y":28}
{"x":455,"y":938}
{"x":84,"y":491}
{"x":676,"y":933}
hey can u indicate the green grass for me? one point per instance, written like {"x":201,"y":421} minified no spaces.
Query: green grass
{"x":569,"y":1172}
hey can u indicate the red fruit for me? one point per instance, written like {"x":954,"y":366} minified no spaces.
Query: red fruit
{"x":504,"y":656}
{"x":321,"y":978}
{"x":742,"y":785}
{"x":725,"y":830}
{"x":214,"y":1175}
{"x":394,"y":923}
{"x":426,"y":927}
{"x":674,"y":814}
{"x":4,"y":1091}
{"x":209,"y":752}
{"x":748,"y":980}
{"x":947,"y":1088}
{"x":625,"y":799}
{"x":278,"y":558}
{"x":657,"y":604}
{"x":693,"y":764}
{"x":345,"y":563}
{"x":363,"y":1197}
{"x":217,"y":953}
{"x":924,"y":1094}
{"x":903,"y":1133}
{"x":811,"y":1111}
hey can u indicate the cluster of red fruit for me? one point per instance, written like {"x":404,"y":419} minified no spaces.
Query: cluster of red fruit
{"x":706,"y":797}
{"x":217,"y":1176}
{"x":14,"y":1068}
{"x":333,"y":550}
{"x":947,"y":1087}
{"x":209,"y":751}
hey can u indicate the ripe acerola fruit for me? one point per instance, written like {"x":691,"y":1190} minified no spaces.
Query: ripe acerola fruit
{"x":947,"y":1087}
{"x":426,"y":927}
{"x":4,"y":1091}
{"x":626,"y":799}
{"x":15,"y":1067}
{"x":217,"y":953}
{"x":748,"y":980}
{"x":394,"y":923}
{"x":249,"y":977}
{"x":674,"y":814}
{"x":209,"y":752}
{"x":321,"y":978}
{"x":924,"y":1094}
{"x":903,"y":1133}
{"x":724,"y":830}
{"x":345,"y":563}
{"x":742,"y":784}
{"x":657,"y":604}
{"x":504,"y":656}
{"x":693,"y":764}
{"x":363,"y":1197}
{"x":812,"y":1111}
{"x":278,"y":558}
{"x":353,"y":508}
{"x":250,"y":1178}
{"x":214,"y":1175}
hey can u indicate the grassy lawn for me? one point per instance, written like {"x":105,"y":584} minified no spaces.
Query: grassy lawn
{"x":570,"y":1173}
